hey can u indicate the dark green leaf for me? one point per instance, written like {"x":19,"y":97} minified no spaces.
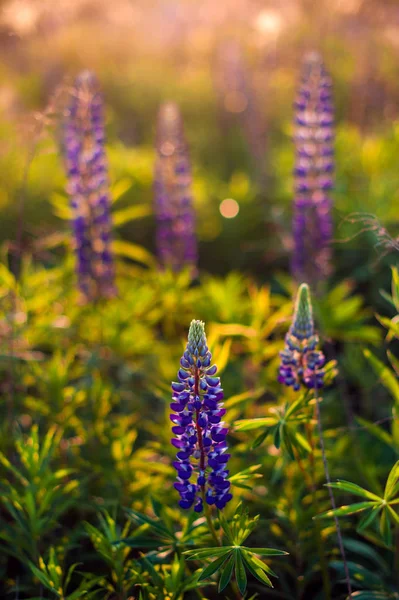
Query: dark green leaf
{"x":214,"y":566}
{"x":226,"y":573}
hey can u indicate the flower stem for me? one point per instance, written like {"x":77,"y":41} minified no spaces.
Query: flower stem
{"x":332,"y":499}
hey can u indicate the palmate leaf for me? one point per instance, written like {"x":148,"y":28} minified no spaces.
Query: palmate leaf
{"x":392,"y":485}
{"x":355,"y":489}
{"x":255,"y":569}
{"x":240,"y":479}
{"x":369,"y":518}
{"x":250,"y":424}
{"x":387,"y":378}
{"x":241,"y":576}
{"x":226,"y":573}
{"x":156,"y":526}
{"x":215,"y":565}
{"x":344,"y":511}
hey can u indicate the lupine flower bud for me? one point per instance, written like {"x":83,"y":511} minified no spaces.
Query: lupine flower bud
{"x":202,"y":456}
{"x":88,"y":188}
{"x":175,"y":238}
{"x":314,"y":134}
{"x":301,"y":362}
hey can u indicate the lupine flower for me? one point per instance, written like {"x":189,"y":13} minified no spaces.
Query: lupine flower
{"x":88,"y":188}
{"x":197,"y":424}
{"x":314,"y":134}
{"x":175,"y":238}
{"x":301,"y":361}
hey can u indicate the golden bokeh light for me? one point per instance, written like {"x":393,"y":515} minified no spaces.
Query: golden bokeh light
{"x":229,"y":208}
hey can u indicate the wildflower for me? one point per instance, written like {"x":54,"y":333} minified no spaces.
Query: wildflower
{"x":301,"y":361}
{"x":314,"y":134}
{"x":200,"y":432}
{"x":88,"y":188}
{"x":175,"y":238}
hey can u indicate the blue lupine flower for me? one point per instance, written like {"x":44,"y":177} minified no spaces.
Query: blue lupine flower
{"x":301,"y":361}
{"x":314,"y":134}
{"x":197,"y":424}
{"x":88,"y":188}
{"x":175,"y":237}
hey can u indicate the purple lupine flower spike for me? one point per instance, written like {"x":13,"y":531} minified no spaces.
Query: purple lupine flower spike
{"x":88,"y":188}
{"x":200,"y":432}
{"x":176,"y":237}
{"x":301,"y":361}
{"x":314,"y":135}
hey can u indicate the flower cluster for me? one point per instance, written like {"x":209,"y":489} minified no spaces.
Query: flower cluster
{"x":301,"y":361}
{"x":88,"y":188}
{"x":197,"y":424}
{"x":175,"y":237}
{"x":314,"y":135}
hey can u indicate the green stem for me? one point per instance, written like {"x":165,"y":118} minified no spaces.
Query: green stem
{"x":208,"y":516}
{"x":315,"y":504}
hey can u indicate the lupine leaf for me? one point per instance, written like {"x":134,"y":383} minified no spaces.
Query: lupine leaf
{"x":255,"y":570}
{"x":265,"y":551}
{"x":385,"y":528}
{"x":206,"y":552}
{"x":367,"y":519}
{"x":241,"y":576}
{"x":353,"y":488}
{"x":344,"y":511}
{"x":214,"y":566}
{"x":156,"y":526}
{"x":249,"y":424}
{"x":387,"y":378}
{"x":226,"y":573}
{"x":392,"y":481}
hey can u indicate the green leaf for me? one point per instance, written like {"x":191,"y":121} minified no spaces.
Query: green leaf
{"x":377,"y":431}
{"x":44,"y":579}
{"x":368,"y":519}
{"x":369,"y":595}
{"x":391,"y":481}
{"x":241,"y":576}
{"x":255,"y":570}
{"x":131,"y":213}
{"x":155,"y":525}
{"x":249,"y":424}
{"x":387,"y":378}
{"x":265,"y":551}
{"x":344,"y":511}
{"x":302,"y":441}
{"x":260,"y":439}
{"x":206,"y":552}
{"x":226,"y":573}
{"x":214,"y":566}
{"x":353,"y":488}
{"x":385,"y":528}
{"x":134,"y":252}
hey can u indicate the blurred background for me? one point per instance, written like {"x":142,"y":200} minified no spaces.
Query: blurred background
{"x":233,"y":67}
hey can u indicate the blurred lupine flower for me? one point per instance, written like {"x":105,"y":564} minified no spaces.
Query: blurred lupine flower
{"x":301,"y":361}
{"x":88,"y":188}
{"x":198,"y":426}
{"x":314,"y":135}
{"x":175,"y":238}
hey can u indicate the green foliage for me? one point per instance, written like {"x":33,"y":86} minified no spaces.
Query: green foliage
{"x":374,"y":506}
{"x":234,"y":557}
